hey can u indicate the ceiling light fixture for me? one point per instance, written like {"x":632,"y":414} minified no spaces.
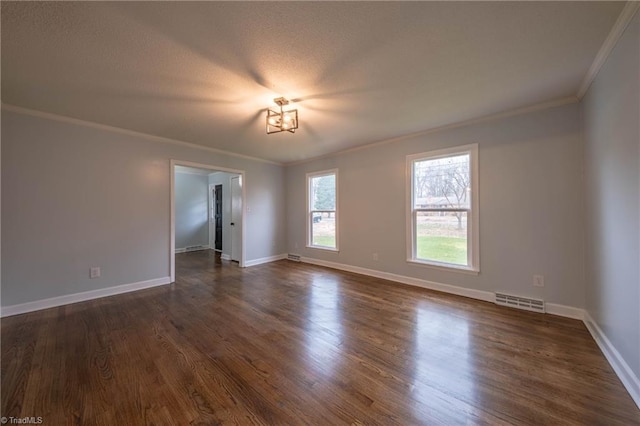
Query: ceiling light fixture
{"x":281,"y":121}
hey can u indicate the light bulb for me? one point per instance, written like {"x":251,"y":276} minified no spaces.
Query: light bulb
{"x":285,"y":125}
{"x":272,"y":121}
{"x":287,"y":117}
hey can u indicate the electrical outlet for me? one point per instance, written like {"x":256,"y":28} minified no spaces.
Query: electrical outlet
{"x":94,"y":272}
{"x":538,"y":280}
{"x":375,"y":256}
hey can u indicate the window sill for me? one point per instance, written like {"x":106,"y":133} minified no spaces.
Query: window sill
{"x":323,"y":248}
{"x":444,"y":266}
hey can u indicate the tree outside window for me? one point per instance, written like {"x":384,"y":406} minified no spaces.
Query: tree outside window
{"x":442,"y":208}
{"x":322,"y":207}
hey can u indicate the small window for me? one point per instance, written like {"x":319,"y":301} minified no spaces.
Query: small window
{"x":443,"y":223}
{"x":322,"y":210}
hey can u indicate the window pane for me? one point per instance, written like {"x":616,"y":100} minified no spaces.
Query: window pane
{"x":442,"y":182}
{"x":323,"y":193}
{"x":323,"y":229}
{"x":442,"y":237}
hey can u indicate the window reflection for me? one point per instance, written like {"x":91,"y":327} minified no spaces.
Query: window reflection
{"x":443,"y":358}
{"x":324,"y":328}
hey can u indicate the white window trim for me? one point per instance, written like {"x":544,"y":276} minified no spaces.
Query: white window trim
{"x":308,"y":210}
{"x":473,"y":223}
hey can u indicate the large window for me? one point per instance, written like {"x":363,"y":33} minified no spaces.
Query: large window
{"x":322,"y":210}
{"x":443,"y":225}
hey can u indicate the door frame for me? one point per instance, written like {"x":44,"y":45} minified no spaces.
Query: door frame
{"x":172,"y":233}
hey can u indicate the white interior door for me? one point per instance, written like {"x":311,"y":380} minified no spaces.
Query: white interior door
{"x":212,"y":216}
{"x":236,"y":218}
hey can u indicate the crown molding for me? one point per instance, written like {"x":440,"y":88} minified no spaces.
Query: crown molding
{"x":93,"y":125}
{"x":490,"y":117}
{"x":609,"y":44}
{"x":485,"y":118}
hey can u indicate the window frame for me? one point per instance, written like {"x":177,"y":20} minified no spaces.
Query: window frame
{"x":309,"y":177}
{"x":473,"y":221}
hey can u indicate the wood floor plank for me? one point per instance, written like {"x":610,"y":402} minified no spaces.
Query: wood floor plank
{"x":290,"y":343}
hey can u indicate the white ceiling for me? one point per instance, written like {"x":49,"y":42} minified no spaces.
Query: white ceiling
{"x":361,"y":72}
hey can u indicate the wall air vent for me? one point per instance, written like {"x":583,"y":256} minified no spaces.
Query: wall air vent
{"x":195,"y":248}
{"x":293,"y":257}
{"x":525,"y":303}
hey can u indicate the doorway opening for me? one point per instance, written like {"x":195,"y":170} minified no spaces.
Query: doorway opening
{"x":206,"y":211}
{"x":215,"y":217}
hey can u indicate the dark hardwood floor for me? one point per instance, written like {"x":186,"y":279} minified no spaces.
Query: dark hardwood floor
{"x":288,"y":344}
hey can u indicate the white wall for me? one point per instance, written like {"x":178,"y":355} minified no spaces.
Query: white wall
{"x":611,"y":112}
{"x":531,"y":199}
{"x":192,"y":210}
{"x":77,"y":195}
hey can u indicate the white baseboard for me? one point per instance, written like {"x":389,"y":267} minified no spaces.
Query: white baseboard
{"x":184,"y":249}
{"x":487,"y":296}
{"x":225,"y":257}
{"x":564,"y":311}
{"x":37,"y":305}
{"x":262,"y":260}
{"x":630,"y":381}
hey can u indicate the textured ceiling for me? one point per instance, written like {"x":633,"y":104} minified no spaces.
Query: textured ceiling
{"x":360,"y":72}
